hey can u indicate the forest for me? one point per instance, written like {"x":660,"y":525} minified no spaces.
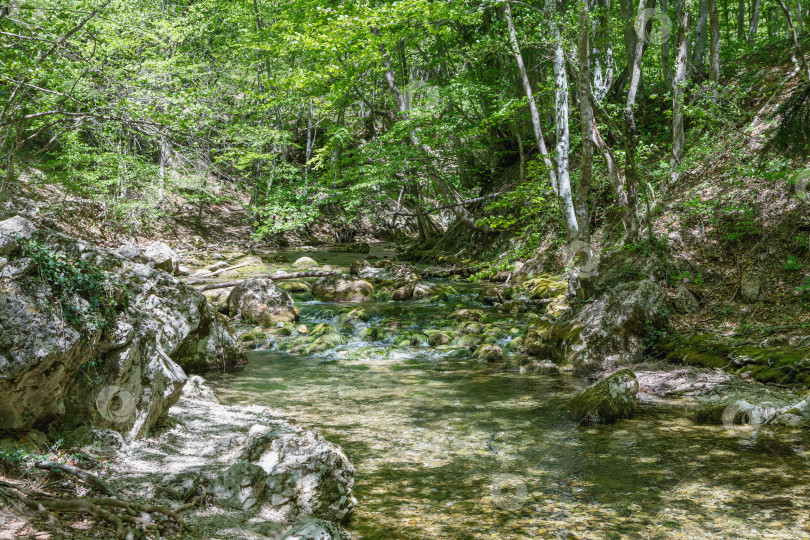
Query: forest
{"x":304,"y":269}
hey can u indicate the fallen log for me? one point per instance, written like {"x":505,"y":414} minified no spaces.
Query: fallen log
{"x":223,"y":270}
{"x":274,"y":277}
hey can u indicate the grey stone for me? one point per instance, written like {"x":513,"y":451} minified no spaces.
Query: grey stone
{"x":342,"y":288}
{"x":685,"y":301}
{"x":607,"y":400}
{"x":261,"y":301}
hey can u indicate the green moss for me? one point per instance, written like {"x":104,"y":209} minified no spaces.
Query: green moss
{"x":607,"y":400}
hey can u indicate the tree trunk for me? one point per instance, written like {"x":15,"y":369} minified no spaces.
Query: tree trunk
{"x":563,"y":140}
{"x":741,"y":20}
{"x":798,"y":52}
{"x":586,"y":122}
{"x":631,"y":167}
{"x":679,"y":87}
{"x":752,"y":29}
{"x":714,"y":42}
{"x":603,"y":76}
{"x":527,"y":88}
{"x":699,"y":47}
{"x":448,"y":193}
{"x":666,"y":65}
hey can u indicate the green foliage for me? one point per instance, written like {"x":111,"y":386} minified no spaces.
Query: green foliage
{"x":86,"y":296}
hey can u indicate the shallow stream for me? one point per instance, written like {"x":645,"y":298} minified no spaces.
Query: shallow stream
{"x":449,"y":447}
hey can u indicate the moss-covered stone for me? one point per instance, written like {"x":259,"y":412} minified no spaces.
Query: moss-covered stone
{"x":607,"y":400}
{"x":476,"y":315}
{"x":439,"y":338}
{"x":489,"y":352}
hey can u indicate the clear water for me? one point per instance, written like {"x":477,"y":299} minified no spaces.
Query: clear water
{"x":447,"y":447}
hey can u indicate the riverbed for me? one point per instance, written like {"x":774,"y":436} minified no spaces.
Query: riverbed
{"x":448,"y":446}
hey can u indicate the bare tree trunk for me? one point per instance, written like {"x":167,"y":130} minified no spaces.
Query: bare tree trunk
{"x":563,"y":140}
{"x":741,"y":20}
{"x":798,"y":52}
{"x":679,"y":87}
{"x":527,"y":88}
{"x":631,"y":167}
{"x":310,"y":144}
{"x":752,"y":29}
{"x":602,"y":81}
{"x":714,"y":42}
{"x":587,"y":122}
{"x":164,"y":164}
{"x":699,"y":48}
{"x":666,"y":65}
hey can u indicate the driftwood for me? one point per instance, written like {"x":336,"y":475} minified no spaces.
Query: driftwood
{"x":223,"y":270}
{"x":84,"y":476}
{"x":274,"y":277}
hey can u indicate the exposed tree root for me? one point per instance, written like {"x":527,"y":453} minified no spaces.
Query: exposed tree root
{"x":129,"y":519}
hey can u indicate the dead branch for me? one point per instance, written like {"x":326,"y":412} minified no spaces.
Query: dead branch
{"x":86,"y":477}
{"x":274,"y":277}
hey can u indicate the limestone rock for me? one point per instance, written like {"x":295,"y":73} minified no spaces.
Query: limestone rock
{"x":607,"y":400}
{"x":305,"y":262}
{"x":299,"y":474}
{"x":138,"y":359}
{"x":685,"y":301}
{"x":161,"y":257}
{"x":314,"y":529}
{"x":342,"y":288}
{"x":605,"y":333}
{"x":261,"y":301}
{"x":12,"y":228}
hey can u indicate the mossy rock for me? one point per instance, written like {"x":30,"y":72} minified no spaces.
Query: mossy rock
{"x":466,"y":340}
{"x":411,"y":339}
{"x":439,"y":338}
{"x":321,"y":329}
{"x":295,"y":286}
{"x":353,"y":314}
{"x":607,"y":400}
{"x":323,"y":343}
{"x":489,"y":352}
{"x":373,"y":333}
{"x":542,"y":287}
{"x":471,"y":328}
{"x":475,"y":315}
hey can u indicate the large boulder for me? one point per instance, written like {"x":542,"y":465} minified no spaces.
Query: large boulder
{"x":607,"y":400}
{"x":64,"y":360}
{"x":314,"y":529}
{"x":261,"y":301}
{"x":299,"y":474}
{"x":342,"y":288}
{"x":611,"y":331}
